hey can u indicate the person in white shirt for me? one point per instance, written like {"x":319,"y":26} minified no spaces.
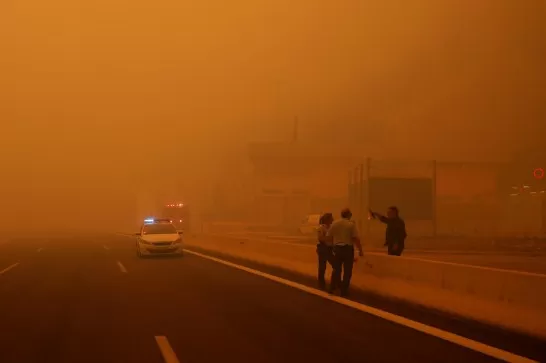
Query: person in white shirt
{"x":324,"y":247}
{"x":344,"y":236}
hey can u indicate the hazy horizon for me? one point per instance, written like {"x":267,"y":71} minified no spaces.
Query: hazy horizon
{"x":99,"y":95}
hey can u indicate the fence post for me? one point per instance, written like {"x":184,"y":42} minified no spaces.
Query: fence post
{"x":350,"y":190}
{"x":356,"y":206}
{"x":361,"y":206}
{"x":367,"y":191}
{"x":434,"y":197}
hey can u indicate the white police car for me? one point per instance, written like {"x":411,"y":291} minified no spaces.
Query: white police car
{"x":159,"y":237}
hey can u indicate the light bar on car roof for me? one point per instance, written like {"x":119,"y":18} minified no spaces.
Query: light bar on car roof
{"x":157,"y":220}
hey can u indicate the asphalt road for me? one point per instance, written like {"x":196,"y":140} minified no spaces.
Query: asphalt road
{"x":90,"y":299}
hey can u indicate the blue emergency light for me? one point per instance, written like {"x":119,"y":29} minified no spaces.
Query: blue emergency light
{"x":157,"y":220}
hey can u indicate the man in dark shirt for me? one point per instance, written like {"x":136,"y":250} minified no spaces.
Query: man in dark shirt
{"x":395,"y":234}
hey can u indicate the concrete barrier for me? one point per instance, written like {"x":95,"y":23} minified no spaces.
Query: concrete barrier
{"x":522,"y":289}
{"x":514,"y":300}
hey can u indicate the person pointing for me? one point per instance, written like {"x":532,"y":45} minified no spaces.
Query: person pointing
{"x":395,"y":234}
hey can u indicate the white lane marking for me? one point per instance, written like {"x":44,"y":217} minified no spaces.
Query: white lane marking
{"x":106,"y":248}
{"x":121,"y":267}
{"x":9,"y":268}
{"x":39,"y":250}
{"x":435,"y":332}
{"x":475,"y":267}
{"x":169,"y":356}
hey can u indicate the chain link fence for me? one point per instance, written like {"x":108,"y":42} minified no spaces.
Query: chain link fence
{"x":441,"y":199}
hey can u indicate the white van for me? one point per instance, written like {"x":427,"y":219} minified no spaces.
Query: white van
{"x":310,"y":224}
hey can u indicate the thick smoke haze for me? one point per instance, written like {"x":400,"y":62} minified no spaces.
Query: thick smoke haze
{"x":98,"y":97}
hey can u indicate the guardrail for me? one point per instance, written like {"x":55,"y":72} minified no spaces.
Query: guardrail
{"x":524,"y":289}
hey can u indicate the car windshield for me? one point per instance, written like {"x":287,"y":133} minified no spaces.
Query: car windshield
{"x":165,"y":228}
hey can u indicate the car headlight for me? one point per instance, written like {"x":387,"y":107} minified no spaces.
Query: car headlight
{"x":178,"y":241}
{"x":145,"y":242}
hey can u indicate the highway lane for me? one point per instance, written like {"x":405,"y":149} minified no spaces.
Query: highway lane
{"x":67,"y":303}
{"x":11,"y":251}
{"x":92,"y":300}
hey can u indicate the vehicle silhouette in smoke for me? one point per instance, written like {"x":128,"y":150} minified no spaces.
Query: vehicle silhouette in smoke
{"x":159,"y":237}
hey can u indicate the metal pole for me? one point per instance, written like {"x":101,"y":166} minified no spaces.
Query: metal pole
{"x":356,"y":209}
{"x":361,"y":195}
{"x":350,"y":190}
{"x":367,"y":191}
{"x":434,"y":206}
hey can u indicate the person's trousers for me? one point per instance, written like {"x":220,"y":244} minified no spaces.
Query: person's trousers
{"x":325,"y":256}
{"x":343,"y":260}
{"x":395,"y":249}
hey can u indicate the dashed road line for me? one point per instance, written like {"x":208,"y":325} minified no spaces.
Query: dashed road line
{"x":435,"y":332}
{"x":106,"y":248}
{"x":121,"y":267}
{"x":169,"y":356}
{"x":9,"y":268}
{"x":39,"y":250}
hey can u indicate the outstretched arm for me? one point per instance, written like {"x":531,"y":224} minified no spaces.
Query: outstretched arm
{"x":381,"y":218}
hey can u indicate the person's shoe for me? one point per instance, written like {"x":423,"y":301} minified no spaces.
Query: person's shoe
{"x":344,"y":293}
{"x":322,"y":285}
